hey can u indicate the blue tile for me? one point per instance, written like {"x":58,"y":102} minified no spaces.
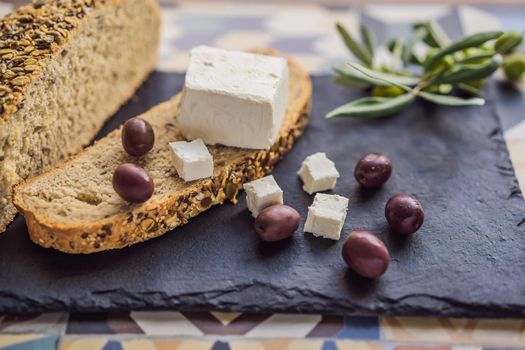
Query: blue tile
{"x":329,"y":345}
{"x":219,"y":345}
{"x":294,"y":44}
{"x":510,"y":16}
{"x":245,"y":23}
{"x":201,"y":24}
{"x":190,"y":40}
{"x":112,"y":345}
{"x":196,"y":23}
{"x":46,"y":343}
{"x":360,"y":327}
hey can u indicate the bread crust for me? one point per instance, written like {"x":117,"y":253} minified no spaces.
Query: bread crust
{"x":67,"y":18}
{"x":157,"y":217}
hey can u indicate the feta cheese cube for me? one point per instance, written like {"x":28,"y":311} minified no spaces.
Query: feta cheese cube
{"x":318,"y":173}
{"x":234,"y":98}
{"x":326,"y":216}
{"x":192,"y":159}
{"x":262,"y":193}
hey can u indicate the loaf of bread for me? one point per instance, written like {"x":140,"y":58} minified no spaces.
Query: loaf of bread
{"x":74,"y":208}
{"x":66,"y":66}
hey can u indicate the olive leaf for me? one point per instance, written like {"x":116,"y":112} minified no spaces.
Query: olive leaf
{"x":359,"y":51}
{"x":435,"y":35}
{"x":395,"y":46}
{"x":372,"y":107}
{"x":368,"y":39}
{"x":470,"y":89}
{"x":358,"y":72}
{"x":349,"y":82}
{"x":448,"y":100}
{"x":408,"y":48}
{"x":473,"y":40}
{"x":476,"y":58}
{"x":468,"y":72}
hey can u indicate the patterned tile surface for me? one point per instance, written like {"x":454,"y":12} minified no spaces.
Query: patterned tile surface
{"x":306,"y":32}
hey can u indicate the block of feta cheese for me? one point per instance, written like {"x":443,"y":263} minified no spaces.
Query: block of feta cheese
{"x":192,"y":159}
{"x":326,"y":216}
{"x":262,"y":193}
{"x":318,"y":173}
{"x":234,"y":98}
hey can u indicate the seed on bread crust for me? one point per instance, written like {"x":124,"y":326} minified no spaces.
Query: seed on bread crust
{"x":35,"y":29}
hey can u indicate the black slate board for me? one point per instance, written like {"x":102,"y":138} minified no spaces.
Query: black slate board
{"x":467,"y":260}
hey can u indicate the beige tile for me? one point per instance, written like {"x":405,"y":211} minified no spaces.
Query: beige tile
{"x":225,"y":317}
{"x":278,"y":344}
{"x":454,"y":331}
{"x":7,"y":340}
{"x":138,"y":344}
{"x":83,"y":344}
{"x":252,"y":345}
{"x":192,"y":344}
{"x":414,"y":328}
{"x":303,"y":344}
{"x":357,"y":345}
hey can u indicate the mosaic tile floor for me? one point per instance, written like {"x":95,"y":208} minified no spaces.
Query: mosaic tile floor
{"x":306,"y":32}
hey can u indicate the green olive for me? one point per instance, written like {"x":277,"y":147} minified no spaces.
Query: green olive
{"x":514,"y":66}
{"x":387,"y":91}
{"x":508,"y":42}
{"x":444,"y":63}
{"x":442,"y":89}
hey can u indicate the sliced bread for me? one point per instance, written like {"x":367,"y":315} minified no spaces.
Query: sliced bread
{"x":73,"y":208}
{"x":66,"y":66}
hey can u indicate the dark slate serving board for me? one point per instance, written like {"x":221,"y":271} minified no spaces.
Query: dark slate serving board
{"x":467,"y":260}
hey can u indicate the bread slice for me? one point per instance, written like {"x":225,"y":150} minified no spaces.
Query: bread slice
{"x":66,"y":66}
{"x":73,"y":208}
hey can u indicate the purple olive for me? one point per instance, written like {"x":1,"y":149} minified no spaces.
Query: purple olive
{"x":276,"y":223}
{"x":138,"y":137}
{"x":133,"y":183}
{"x":404,"y":213}
{"x":366,"y":254}
{"x":373,"y":170}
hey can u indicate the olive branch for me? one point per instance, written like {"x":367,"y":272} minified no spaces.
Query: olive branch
{"x":448,"y":66}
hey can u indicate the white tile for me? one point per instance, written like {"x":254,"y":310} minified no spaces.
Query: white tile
{"x":501,"y":332}
{"x":301,"y":22}
{"x":517,"y":132}
{"x":406,"y":13}
{"x":285,"y":326}
{"x":244,"y":40}
{"x":474,"y":20}
{"x":5,"y":8}
{"x":164,"y":323}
